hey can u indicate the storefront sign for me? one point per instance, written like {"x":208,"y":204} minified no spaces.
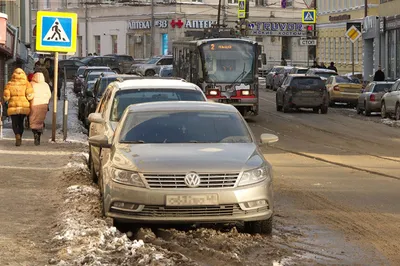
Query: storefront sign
{"x":392,"y":23}
{"x":164,"y":43}
{"x":277,"y":29}
{"x":340,"y":17}
{"x":8,"y":47}
{"x":146,"y":24}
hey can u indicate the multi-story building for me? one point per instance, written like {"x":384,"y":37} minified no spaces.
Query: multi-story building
{"x":14,"y":52}
{"x":333,"y":45}
{"x":125,"y":27}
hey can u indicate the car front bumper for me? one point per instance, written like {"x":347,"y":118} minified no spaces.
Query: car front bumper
{"x":150,"y":205}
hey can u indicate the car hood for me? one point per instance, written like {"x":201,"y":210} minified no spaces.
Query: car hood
{"x":182,"y":158}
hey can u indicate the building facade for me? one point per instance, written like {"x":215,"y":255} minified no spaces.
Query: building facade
{"x":126,"y":28}
{"x":15,"y":51}
{"x":333,"y":45}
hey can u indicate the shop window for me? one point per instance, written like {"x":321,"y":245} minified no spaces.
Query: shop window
{"x":46,"y":4}
{"x":35,"y":4}
{"x":197,"y":1}
{"x":97,"y":47}
{"x":114,"y":44}
{"x":232,"y":1}
{"x":287,"y":47}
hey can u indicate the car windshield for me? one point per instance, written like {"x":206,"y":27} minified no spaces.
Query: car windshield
{"x":347,"y":80}
{"x":125,"y":98}
{"x":382,"y":87}
{"x":302,"y":71}
{"x":326,"y":74}
{"x":86,"y":60}
{"x":228,"y":61}
{"x":184,"y":127}
{"x":80,"y":71}
{"x":88,"y":70}
{"x":93,"y":76}
{"x":153,"y":60}
{"x":307,"y":82}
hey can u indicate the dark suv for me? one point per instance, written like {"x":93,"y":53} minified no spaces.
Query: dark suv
{"x":125,"y":61}
{"x":105,"y":61}
{"x":299,"y":91}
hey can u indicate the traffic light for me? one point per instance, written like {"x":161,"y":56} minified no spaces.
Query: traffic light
{"x":310,"y":31}
{"x":238,"y":27}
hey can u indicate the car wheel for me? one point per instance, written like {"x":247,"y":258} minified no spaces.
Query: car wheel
{"x":366,"y":111}
{"x":278,"y":107}
{"x":316,"y":110}
{"x":263,"y":227}
{"x":331,"y":103}
{"x":150,"y":73}
{"x":359,"y":110}
{"x":383,"y":110}
{"x":324,"y":109}
{"x":397,"y":112}
{"x":116,"y":70}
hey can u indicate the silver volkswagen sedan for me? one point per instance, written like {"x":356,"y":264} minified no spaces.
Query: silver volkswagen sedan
{"x":186,"y":162}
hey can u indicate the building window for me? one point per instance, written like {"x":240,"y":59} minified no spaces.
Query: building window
{"x":97,"y":47}
{"x":286,"y":47}
{"x":80,"y":50}
{"x":35,"y":4}
{"x":325,"y":40}
{"x":345,"y":50}
{"x":334,"y":50}
{"x":114,"y":44}
{"x":391,"y":55}
{"x":232,"y":1}
{"x":197,"y":1}
{"x":46,"y":4}
{"x":64,"y":4}
{"x":289,"y":3}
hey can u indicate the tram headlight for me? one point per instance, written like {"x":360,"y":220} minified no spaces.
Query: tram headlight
{"x":245,"y":92}
{"x":213,"y":92}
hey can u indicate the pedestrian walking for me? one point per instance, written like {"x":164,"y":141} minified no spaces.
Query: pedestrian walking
{"x":39,"y":67}
{"x":39,"y":105}
{"x":379,"y":75}
{"x":332,"y":67}
{"x":283,"y":62}
{"x":18,"y":92}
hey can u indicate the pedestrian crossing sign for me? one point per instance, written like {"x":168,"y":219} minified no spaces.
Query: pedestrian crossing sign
{"x":56,"y":31}
{"x":308,"y":16}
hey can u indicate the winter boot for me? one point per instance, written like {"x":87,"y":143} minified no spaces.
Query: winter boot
{"x":18,"y":140}
{"x":39,"y":134}
{"x":36,"y":138}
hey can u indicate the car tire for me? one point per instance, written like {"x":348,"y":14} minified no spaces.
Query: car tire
{"x":285,"y":107}
{"x":316,"y":110}
{"x":331,"y":103}
{"x":116,"y":70}
{"x":359,"y":110}
{"x":150,"y":73}
{"x":324,"y":109}
{"x":278,"y":107}
{"x":366,"y":111}
{"x":383,"y":110}
{"x":397,"y":112}
{"x":263,"y":227}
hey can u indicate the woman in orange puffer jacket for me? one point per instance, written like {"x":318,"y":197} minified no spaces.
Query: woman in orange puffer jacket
{"x":18,"y":92}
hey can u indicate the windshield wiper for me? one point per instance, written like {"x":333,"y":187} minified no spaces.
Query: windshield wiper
{"x":240,"y":75}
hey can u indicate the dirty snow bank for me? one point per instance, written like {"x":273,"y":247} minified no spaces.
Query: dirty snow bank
{"x":390,"y":122}
{"x":76,"y":133}
{"x":83,"y":237}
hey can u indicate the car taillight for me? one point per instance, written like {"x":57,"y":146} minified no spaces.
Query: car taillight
{"x":372,"y":97}
{"x":336,"y":88}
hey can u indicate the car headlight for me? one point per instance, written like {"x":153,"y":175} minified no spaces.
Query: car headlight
{"x":127,"y":177}
{"x":255,"y":176}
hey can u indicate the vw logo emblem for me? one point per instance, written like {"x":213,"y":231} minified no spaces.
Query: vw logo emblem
{"x":192,"y":179}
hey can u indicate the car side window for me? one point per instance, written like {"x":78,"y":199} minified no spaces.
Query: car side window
{"x":165,"y":61}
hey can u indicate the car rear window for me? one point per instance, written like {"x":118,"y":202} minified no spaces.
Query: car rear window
{"x":325,"y":74}
{"x":347,"y":80}
{"x":126,"y":58}
{"x":307,"y":82}
{"x":382,"y":87}
{"x":125,"y":98}
{"x":302,"y":71}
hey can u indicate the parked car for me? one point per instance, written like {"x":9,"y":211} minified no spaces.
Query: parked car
{"x":87,"y":92}
{"x":344,"y":90}
{"x":119,"y":95}
{"x":262,"y":83}
{"x":125,"y":61}
{"x":105,"y":61}
{"x":98,"y":89}
{"x":78,"y":79}
{"x":270,"y":76}
{"x":390,"y":104}
{"x":166,"y":71}
{"x":152,"y":66}
{"x":280,"y":76}
{"x":76,"y":58}
{"x":141,"y":181}
{"x":71,"y":67}
{"x":298,"y":70}
{"x":300,"y":91}
{"x":321,"y":72}
{"x":370,"y":100}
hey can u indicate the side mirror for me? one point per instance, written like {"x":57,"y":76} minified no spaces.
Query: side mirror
{"x":268,"y":138}
{"x":80,"y":76}
{"x":96,"y":118}
{"x":100,"y":141}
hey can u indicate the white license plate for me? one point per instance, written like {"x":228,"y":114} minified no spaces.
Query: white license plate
{"x":192,"y":200}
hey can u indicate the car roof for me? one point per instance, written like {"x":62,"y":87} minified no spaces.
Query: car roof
{"x":145,"y":83}
{"x":182,"y":106}
{"x":113,"y":75}
{"x":93,"y":73}
{"x":322,"y":70}
{"x":383,"y":82}
{"x":302,"y":76}
{"x":300,"y":67}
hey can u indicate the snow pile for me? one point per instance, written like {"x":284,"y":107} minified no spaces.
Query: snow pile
{"x":84,"y":237}
{"x":390,"y":122}
{"x":77,"y":133}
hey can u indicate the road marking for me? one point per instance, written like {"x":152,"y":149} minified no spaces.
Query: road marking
{"x":31,"y":168}
{"x":267,"y":100}
{"x":60,"y":153}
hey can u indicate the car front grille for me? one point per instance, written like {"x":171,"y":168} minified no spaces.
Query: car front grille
{"x":178,"y":180}
{"x":192,"y":211}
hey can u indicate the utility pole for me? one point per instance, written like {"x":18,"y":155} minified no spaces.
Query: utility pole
{"x":365,"y":8}
{"x":86,"y":30}
{"x":152,"y":29}
{"x":219,"y":14}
